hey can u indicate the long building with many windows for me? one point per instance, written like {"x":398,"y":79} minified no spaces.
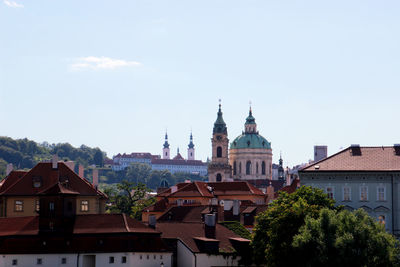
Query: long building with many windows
{"x":361,"y":177}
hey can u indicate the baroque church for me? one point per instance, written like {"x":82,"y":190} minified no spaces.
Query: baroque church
{"x":249,"y":156}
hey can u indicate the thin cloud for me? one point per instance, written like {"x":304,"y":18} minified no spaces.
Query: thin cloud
{"x":101,"y":63}
{"x":13,"y":4}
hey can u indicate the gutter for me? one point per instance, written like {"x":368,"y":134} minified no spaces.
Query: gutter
{"x":392,"y":206}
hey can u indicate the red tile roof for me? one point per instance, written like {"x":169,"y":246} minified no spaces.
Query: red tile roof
{"x":49,"y":177}
{"x":218,"y":189}
{"x":370,"y":159}
{"x":12,"y":178}
{"x":187,"y":232}
{"x":84,"y":224}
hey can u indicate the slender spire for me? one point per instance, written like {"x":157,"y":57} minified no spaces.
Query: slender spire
{"x":166,"y":144}
{"x":191,"y":145}
{"x":219,"y":125}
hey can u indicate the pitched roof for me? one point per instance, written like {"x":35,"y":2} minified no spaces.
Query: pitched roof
{"x":235,"y":188}
{"x":212,"y":189}
{"x":10,"y":179}
{"x":84,"y":224}
{"x":356,"y":158}
{"x":188,"y":232}
{"x":49,"y":177}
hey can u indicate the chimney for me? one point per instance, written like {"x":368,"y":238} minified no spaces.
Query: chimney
{"x":70,"y":164}
{"x":288,"y":179}
{"x":152,"y":221}
{"x":95,"y":179}
{"x":54,"y":162}
{"x":209,"y":226}
{"x":236,"y":206}
{"x":9,"y":168}
{"x":81,"y":171}
{"x":270,"y":192}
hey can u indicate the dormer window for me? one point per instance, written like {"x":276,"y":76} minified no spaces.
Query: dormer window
{"x":37,"y":182}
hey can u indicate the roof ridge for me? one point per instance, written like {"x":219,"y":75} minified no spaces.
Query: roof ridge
{"x":322,"y":160}
{"x":20,"y":179}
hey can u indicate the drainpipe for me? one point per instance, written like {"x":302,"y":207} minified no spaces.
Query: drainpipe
{"x":77,"y":260}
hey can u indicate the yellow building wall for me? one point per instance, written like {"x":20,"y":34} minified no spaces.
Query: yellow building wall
{"x":28,"y":207}
{"x":94,"y":205}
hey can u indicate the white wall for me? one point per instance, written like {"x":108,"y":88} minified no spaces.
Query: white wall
{"x":204,"y":260}
{"x":185,"y":257}
{"x":102,"y":259}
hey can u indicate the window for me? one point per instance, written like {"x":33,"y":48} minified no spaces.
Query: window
{"x":257,"y":168}
{"x":84,"y":205}
{"x":37,"y":205}
{"x":39,"y":261}
{"x":219,"y":152}
{"x":346,"y":193}
{"x":240,"y":167}
{"x":19,"y":205}
{"x":329,"y":191}
{"x":14,"y":262}
{"x":123,"y":259}
{"x":148,"y":257}
{"x":263,"y":168}
{"x":219,"y":177}
{"x":155,"y":257}
{"x":63,"y":260}
{"x":248,"y":167}
{"x":141,"y":256}
{"x":51,"y":206}
{"x":363,"y":193}
{"x":381,"y":196}
{"x":381,"y":219}
{"x":234,"y":168}
{"x":111,"y":260}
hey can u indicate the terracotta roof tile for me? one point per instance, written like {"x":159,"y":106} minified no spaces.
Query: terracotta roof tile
{"x":186,"y":232}
{"x":370,"y":159}
{"x":49,"y":177}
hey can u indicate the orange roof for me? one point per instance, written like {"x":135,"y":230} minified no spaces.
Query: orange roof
{"x":357,"y":158}
{"x":49,"y":178}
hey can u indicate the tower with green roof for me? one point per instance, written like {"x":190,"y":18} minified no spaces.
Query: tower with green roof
{"x":219,"y":169}
{"x":250,"y":153}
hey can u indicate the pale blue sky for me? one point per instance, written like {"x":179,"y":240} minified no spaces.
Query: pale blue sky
{"x":116,"y":74}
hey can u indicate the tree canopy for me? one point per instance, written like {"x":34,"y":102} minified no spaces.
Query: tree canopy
{"x":276,"y":227}
{"x":129,"y":198}
{"x":345,"y":239}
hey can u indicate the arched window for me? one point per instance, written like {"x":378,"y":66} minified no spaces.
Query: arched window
{"x":257,"y":168}
{"x":248,"y":167}
{"x":219,"y":177}
{"x":234,"y":168}
{"x":219,"y":152}
{"x":240,"y":167}
{"x":263,"y":168}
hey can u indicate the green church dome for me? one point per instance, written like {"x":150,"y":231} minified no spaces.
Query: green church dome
{"x":250,"y":140}
{"x":250,"y":137}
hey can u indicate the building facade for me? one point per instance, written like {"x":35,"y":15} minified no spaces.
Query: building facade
{"x":361,"y":177}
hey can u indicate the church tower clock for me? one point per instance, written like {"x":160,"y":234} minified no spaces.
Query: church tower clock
{"x":219,"y":169}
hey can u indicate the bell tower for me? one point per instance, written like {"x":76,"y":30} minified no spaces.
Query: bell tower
{"x":166,"y":154}
{"x":219,"y":169}
{"x":191,"y":148}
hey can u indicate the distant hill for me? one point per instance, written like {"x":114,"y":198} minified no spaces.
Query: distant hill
{"x":25,"y":153}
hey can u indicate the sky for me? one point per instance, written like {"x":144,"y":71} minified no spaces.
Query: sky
{"x":118,"y":74}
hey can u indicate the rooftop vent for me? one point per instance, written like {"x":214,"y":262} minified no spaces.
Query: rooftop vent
{"x":396,"y":149}
{"x":355,"y":150}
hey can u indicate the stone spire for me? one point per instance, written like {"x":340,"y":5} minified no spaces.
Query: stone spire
{"x":250,"y":126}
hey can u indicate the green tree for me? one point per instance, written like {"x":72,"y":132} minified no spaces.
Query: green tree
{"x":345,"y":239}
{"x":128,"y":198}
{"x":138,"y":173}
{"x":98,"y":157}
{"x":276,"y":227}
